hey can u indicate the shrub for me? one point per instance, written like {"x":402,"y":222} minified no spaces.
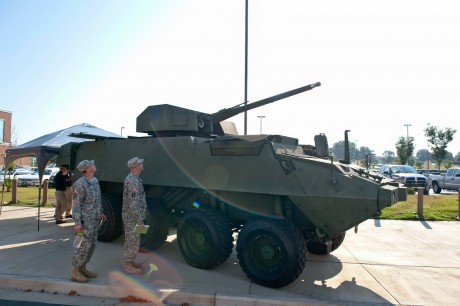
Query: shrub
{"x":8,"y":184}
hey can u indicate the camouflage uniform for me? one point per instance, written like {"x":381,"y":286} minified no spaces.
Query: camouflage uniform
{"x":133,"y":213}
{"x":87,"y":209}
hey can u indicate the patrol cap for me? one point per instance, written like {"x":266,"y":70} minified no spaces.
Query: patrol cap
{"x":134,"y":162}
{"x":84,"y":164}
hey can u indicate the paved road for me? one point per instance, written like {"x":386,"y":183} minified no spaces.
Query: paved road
{"x":386,"y":263}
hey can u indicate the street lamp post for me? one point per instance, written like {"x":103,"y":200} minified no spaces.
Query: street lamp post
{"x":121,"y":130}
{"x":407,"y":126}
{"x":261,"y":117}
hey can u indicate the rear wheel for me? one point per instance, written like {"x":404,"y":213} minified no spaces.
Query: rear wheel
{"x":112,"y":228}
{"x":436,"y":188}
{"x":320,"y":248}
{"x":271,"y":251}
{"x":204,"y":237}
{"x":157,"y":218}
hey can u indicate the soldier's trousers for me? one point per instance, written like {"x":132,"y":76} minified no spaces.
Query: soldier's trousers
{"x":82,"y":255}
{"x":132,"y":240}
{"x":61,"y":204}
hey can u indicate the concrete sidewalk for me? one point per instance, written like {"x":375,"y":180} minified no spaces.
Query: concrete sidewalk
{"x":386,"y":263}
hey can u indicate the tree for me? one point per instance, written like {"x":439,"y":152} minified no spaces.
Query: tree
{"x":338,"y":150}
{"x":405,"y":148}
{"x":363,"y":151}
{"x":388,"y":157}
{"x":447,"y":164}
{"x":457,"y":158}
{"x":438,"y":139}
{"x":423,"y":155}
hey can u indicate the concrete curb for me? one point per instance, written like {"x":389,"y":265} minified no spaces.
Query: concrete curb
{"x":160,"y":297}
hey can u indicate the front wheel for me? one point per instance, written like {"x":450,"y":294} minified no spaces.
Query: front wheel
{"x":315,"y":246}
{"x":271,"y":251}
{"x":436,"y":188}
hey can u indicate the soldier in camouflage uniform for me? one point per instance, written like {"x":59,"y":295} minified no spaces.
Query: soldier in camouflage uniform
{"x":133,"y":213}
{"x":87,"y":213}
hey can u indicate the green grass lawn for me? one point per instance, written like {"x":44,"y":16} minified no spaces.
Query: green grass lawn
{"x":442,"y":207}
{"x":28,"y":196}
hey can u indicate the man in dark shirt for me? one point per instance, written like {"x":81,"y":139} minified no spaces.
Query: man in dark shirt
{"x":68,"y":193}
{"x":62,"y":183}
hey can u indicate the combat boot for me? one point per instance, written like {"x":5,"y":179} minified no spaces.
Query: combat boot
{"x":77,"y":276}
{"x":87,"y":273}
{"x":131,"y":269}
{"x":137,"y":265}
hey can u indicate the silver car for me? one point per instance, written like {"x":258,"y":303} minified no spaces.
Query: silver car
{"x":406,"y":176}
{"x":16,"y":173}
{"x":33,"y":180}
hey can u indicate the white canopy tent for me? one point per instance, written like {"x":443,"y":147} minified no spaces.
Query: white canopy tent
{"x":47,"y":146}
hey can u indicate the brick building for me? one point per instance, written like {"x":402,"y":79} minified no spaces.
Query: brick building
{"x":6,"y":142}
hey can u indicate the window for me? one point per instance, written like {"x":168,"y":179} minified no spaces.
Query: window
{"x":2,"y":131}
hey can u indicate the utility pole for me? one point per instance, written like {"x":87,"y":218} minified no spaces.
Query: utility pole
{"x":121,"y":130}
{"x":246,"y":70}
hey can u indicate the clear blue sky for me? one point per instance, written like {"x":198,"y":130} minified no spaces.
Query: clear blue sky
{"x":382,"y":64}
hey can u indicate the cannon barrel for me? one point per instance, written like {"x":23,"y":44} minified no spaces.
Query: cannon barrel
{"x":226,"y":113}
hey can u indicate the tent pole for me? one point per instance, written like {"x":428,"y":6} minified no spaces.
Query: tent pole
{"x":39,"y":196}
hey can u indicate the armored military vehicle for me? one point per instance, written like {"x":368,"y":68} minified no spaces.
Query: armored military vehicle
{"x":216,"y":185}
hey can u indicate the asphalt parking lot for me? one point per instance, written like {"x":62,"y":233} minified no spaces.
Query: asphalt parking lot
{"x":386,"y":263}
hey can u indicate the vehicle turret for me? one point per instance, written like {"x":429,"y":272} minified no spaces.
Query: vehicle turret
{"x":167,"y":120}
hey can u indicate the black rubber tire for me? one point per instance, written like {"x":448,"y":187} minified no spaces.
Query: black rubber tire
{"x":436,"y":188}
{"x":112,"y":228}
{"x":314,"y":246}
{"x":426,"y":190}
{"x":271,"y":251}
{"x":157,"y":218}
{"x":205,"y":238}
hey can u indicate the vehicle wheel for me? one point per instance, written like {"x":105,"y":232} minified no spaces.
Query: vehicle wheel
{"x":320,"y":248}
{"x":112,"y":228}
{"x":204,"y":237}
{"x":426,"y":190}
{"x":271,"y":251}
{"x":156,"y":217}
{"x":436,"y":188}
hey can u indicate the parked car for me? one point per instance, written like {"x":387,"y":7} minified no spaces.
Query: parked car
{"x":425,"y":172}
{"x":33,"y":180}
{"x":406,"y":176}
{"x":448,"y":181}
{"x":18,"y":172}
